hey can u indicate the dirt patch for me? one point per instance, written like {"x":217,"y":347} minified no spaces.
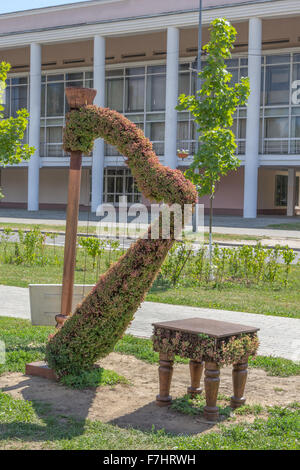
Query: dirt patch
{"x":134,"y":405}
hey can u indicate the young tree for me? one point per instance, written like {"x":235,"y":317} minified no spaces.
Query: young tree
{"x":213,"y":107}
{"x":12,"y":129}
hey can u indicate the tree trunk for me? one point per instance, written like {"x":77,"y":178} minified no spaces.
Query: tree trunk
{"x":211,"y":197}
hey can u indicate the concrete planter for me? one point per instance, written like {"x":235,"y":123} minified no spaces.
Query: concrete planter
{"x":45,"y":301}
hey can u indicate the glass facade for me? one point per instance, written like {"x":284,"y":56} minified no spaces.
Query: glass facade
{"x":280,"y":111}
{"x":281,"y":190}
{"x":119,"y":182}
{"x":54,"y":108}
{"x":139,"y":92}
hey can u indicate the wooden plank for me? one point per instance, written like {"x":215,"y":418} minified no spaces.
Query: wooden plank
{"x":214,"y":328}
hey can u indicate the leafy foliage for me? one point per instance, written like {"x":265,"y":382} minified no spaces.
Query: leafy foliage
{"x":12,"y":130}
{"x":26,"y":343}
{"x":194,"y":406}
{"x":204,"y":348}
{"x":213,"y":107}
{"x":93,"y":378}
{"x":248,"y":264}
{"x":277,"y":366}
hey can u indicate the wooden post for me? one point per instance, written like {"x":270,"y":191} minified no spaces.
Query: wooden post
{"x":196,"y":369}
{"x":165,"y":372}
{"x":71,"y":233}
{"x":239,"y":378}
{"x":77,"y":98}
{"x":211,"y":381}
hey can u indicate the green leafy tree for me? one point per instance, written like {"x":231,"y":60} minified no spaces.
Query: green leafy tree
{"x":12,"y":129}
{"x":213,"y":108}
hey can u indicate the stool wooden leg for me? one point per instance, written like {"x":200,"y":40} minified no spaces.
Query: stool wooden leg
{"x":239,"y":378}
{"x":211,"y":382}
{"x":165,"y":372}
{"x":196,"y":369}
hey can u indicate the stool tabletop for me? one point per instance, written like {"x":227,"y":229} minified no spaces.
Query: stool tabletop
{"x":213,"y":328}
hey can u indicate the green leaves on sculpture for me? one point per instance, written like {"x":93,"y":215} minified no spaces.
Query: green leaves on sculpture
{"x":104,"y":315}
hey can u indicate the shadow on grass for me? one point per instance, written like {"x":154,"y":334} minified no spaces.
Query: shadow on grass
{"x":151,"y":416}
{"x":52,"y":415}
{"x":50,"y":406}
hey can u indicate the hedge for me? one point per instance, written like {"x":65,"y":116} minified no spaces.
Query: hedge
{"x":91,"y":332}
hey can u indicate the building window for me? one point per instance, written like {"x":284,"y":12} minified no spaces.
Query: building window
{"x":16,"y":95}
{"x":277,"y":85}
{"x":54,"y":107}
{"x":279,"y":114}
{"x":186,"y":129}
{"x":281,"y":190}
{"x":281,"y":185}
{"x":120,"y":182}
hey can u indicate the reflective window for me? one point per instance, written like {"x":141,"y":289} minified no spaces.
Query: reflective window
{"x":156,"y":93}
{"x":120,"y":182}
{"x":16,"y":95}
{"x":281,"y":184}
{"x":277,"y":127}
{"x":135,"y":94}
{"x":280,"y":104}
{"x":114,"y":94}
{"x":277,"y":89}
{"x":55,"y":99}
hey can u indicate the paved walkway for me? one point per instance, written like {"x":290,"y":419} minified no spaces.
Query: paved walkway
{"x":222,"y":224}
{"x":279,"y":336}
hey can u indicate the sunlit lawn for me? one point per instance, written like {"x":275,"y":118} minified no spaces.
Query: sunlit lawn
{"x":32,"y":425}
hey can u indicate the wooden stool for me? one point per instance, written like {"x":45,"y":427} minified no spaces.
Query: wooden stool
{"x":195,"y":332}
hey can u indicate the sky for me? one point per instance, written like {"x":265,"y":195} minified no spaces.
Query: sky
{"x":19,"y":5}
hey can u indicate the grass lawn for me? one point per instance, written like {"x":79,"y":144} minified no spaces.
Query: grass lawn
{"x":237,"y":297}
{"x":92,"y":230}
{"x":26,"y":343}
{"x":32,"y":425}
{"x":286,"y":226}
{"x":262,"y":299}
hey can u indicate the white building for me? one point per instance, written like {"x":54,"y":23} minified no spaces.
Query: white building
{"x":139,"y":56}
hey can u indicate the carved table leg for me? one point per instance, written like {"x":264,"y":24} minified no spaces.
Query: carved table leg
{"x":239,"y":378}
{"x":165,"y":372}
{"x":196,"y":369}
{"x":211,"y":382}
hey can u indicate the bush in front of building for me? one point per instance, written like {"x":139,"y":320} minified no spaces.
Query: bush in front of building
{"x":213,"y":107}
{"x":28,"y":249}
{"x":12,"y":130}
{"x":91,"y":332}
{"x":246,"y":264}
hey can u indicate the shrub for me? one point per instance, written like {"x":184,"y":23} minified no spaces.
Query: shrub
{"x":248,"y":264}
{"x":29,"y":249}
{"x":93,"y":246}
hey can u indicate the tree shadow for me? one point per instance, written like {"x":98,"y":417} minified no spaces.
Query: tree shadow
{"x":53,"y":404}
{"x":151,"y":416}
{"x":61,"y":413}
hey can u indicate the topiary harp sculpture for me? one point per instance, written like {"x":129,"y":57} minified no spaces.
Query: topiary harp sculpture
{"x":91,"y":332}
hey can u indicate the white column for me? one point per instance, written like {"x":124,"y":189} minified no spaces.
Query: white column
{"x":171,"y":97}
{"x":291,"y":196}
{"x":252,"y":129}
{"x":98,"y":153}
{"x":34,"y":126}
